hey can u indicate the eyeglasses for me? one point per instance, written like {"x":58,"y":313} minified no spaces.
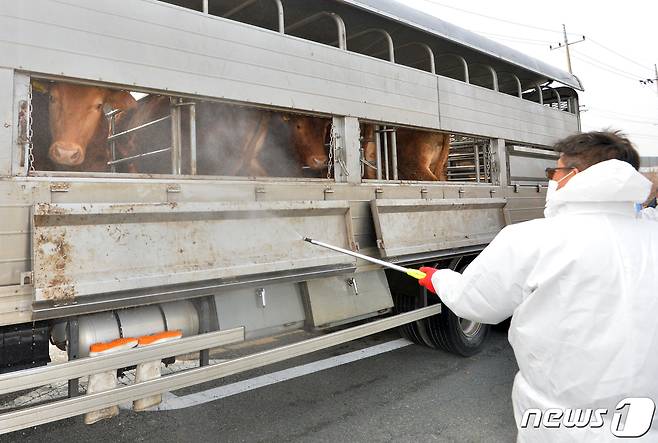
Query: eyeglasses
{"x":550,"y":172}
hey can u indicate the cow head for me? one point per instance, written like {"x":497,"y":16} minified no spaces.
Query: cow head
{"x":308,"y":138}
{"x":76,"y":117}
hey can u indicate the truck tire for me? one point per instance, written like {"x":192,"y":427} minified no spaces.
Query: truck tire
{"x":457,"y":335}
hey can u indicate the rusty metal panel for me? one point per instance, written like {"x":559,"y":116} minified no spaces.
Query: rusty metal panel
{"x":85,"y":249}
{"x":406,"y":227}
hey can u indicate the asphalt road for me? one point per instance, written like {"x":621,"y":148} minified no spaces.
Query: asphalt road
{"x":411,"y":394}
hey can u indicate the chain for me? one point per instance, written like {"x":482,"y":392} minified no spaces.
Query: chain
{"x":332,"y":149}
{"x":30,"y":147}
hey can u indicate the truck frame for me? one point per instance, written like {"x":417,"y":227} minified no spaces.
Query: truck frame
{"x":222,"y":258}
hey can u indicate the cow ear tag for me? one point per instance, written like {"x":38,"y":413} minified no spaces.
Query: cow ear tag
{"x":107,"y":108}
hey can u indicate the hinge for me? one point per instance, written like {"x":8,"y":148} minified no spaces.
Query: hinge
{"x":60,"y":187}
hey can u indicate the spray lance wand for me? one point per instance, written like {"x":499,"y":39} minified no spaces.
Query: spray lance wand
{"x":415,"y":273}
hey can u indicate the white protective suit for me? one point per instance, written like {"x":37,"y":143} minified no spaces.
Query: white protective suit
{"x":649,"y":213}
{"x":582,"y":286}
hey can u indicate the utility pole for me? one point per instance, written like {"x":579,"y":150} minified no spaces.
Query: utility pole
{"x":566,"y":45}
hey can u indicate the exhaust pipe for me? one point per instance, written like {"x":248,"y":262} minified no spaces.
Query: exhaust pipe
{"x":125,"y":323}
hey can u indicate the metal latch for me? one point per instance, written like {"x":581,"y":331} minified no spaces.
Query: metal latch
{"x":26,"y":278}
{"x":461,"y":192}
{"x":352,"y":283}
{"x":260,"y":293}
{"x":492,"y":192}
{"x":173,"y":189}
{"x":423,"y":192}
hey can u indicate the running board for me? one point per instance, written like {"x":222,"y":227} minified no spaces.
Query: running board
{"x":59,"y":410}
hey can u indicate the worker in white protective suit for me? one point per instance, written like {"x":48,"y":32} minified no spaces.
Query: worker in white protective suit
{"x":581,"y":286}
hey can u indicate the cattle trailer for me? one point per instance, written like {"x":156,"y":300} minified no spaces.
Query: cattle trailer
{"x":90,"y":257}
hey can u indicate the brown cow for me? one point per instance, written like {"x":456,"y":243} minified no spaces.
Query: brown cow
{"x":308,"y":136}
{"x":78,"y":126}
{"x":421,"y":155}
{"x":231,"y":140}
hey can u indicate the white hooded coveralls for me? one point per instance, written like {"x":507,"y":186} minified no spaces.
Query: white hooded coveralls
{"x":581,"y":286}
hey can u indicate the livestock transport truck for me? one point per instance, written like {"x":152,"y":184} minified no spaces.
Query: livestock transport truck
{"x":166,"y":237}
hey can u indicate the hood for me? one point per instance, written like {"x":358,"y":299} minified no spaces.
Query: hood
{"x":611,"y":181}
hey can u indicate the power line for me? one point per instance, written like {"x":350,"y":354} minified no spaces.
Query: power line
{"x":604,"y":66}
{"x":616,"y":117}
{"x":616,"y":112}
{"x":643,"y":66}
{"x":491,"y":17}
{"x":513,"y":37}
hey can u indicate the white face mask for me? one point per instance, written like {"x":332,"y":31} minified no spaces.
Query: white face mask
{"x":550,"y":191}
{"x":552,"y":186}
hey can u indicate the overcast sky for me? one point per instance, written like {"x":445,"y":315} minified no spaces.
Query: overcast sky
{"x":620,"y":48}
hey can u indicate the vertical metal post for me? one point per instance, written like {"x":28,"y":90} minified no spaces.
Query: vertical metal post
{"x":394,"y":153}
{"x":378,"y":145}
{"x":477,"y":163}
{"x":386,"y":167}
{"x":204,"y":327}
{"x":499,"y":174}
{"x":205,"y":6}
{"x":541,"y":94}
{"x":175,"y":137}
{"x":192,"y":108}
{"x":73,"y":350}
{"x":282,"y":23}
{"x":559,"y":99}
{"x":431,"y":55}
{"x":113,"y":143}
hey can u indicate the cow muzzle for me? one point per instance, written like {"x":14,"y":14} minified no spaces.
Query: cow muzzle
{"x":317,"y":163}
{"x":66,"y":154}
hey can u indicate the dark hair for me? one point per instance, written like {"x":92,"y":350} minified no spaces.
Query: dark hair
{"x":589,"y":148}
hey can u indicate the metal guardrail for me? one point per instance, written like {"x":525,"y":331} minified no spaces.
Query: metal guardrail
{"x":59,"y":410}
{"x":30,"y":378}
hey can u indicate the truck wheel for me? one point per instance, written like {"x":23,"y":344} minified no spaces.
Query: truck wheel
{"x":458,"y":335}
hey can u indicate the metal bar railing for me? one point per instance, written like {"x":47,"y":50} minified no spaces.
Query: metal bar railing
{"x":378,"y":149}
{"x":477,"y":163}
{"x":387,"y":36}
{"x":16,"y":420}
{"x":31,"y":378}
{"x":340,"y":25}
{"x":386,"y":165}
{"x":134,"y":157}
{"x":113,"y":143}
{"x":175,"y":136}
{"x":394,"y":153}
{"x":277,"y":3}
{"x":463,"y":62}
{"x":137,"y":128}
{"x":193,"y":169}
